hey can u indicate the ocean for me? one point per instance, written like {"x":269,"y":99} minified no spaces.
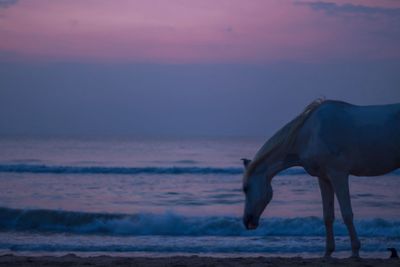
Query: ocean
{"x":172,"y":196}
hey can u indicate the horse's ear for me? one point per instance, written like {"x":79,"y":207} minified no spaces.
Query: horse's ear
{"x":246,"y":162}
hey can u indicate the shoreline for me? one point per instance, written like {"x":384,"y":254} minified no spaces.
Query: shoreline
{"x":73,"y":260}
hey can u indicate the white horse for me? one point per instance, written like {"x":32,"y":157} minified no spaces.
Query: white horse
{"x":330,"y":140}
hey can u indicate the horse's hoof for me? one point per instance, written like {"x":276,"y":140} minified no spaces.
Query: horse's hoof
{"x":355,"y":257}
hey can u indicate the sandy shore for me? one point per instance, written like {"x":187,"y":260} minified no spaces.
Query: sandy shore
{"x":72,"y":260}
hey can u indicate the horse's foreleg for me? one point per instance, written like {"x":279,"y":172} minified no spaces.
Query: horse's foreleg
{"x":340,"y":184}
{"x":327,"y":195}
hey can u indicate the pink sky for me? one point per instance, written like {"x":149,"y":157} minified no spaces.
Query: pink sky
{"x":186,"y":31}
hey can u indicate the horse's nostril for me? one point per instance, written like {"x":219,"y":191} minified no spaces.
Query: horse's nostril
{"x":249,"y":223}
{"x":252,"y":225}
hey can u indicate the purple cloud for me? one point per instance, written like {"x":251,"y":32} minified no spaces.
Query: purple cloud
{"x":336,"y":9}
{"x":7,"y":3}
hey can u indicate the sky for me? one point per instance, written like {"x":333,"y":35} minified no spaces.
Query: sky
{"x":189,"y":68}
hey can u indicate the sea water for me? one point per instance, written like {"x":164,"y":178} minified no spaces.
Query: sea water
{"x":180,"y":196}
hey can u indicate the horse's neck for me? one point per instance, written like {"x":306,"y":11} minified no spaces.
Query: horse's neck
{"x":278,"y":162}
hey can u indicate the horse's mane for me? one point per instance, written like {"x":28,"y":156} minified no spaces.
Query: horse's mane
{"x":284,"y":137}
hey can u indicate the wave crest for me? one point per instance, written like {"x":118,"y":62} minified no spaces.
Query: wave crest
{"x":170,"y":224}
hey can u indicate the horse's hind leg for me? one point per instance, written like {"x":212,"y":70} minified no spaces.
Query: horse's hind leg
{"x":327,"y":195}
{"x":340,"y":182}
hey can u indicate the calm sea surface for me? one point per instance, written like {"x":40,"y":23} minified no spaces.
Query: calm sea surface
{"x":171,"y":196}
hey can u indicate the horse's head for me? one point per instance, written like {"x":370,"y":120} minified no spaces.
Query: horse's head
{"x":258,"y":191}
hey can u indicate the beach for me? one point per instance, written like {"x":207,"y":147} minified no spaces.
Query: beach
{"x":193,"y":261}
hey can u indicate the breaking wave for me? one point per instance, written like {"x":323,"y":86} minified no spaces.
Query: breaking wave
{"x":170,"y":224}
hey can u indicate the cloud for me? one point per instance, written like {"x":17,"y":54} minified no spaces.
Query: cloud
{"x":351,"y":9}
{"x":7,"y":3}
{"x":228,"y":29}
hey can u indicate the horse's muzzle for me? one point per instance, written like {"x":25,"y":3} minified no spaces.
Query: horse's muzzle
{"x":249,"y":222}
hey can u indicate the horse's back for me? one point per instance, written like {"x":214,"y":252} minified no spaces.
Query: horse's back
{"x":363,"y":140}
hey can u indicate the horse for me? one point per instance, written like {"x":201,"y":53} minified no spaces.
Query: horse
{"x":331,"y":140}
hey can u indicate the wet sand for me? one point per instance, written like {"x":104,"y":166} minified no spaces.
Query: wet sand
{"x":180,"y":261}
